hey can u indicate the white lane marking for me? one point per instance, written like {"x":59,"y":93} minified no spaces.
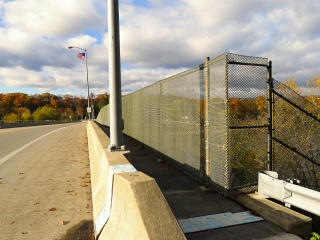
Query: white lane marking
{"x":6,"y":158}
{"x":5,"y":130}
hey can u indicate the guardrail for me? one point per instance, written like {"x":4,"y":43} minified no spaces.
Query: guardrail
{"x":269,"y":186}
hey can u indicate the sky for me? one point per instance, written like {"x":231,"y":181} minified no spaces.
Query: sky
{"x":158,"y":38}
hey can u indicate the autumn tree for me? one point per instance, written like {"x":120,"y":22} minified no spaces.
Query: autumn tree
{"x":261,"y":102}
{"x":8,"y":101}
{"x":45,"y":98}
{"x":45,"y":113}
{"x":313,"y":85}
{"x":11,"y":118}
{"x":18,"y":103}
{"x":20,"y":111}
{"x":79,"y":112}
{"x":19,"y":100}
{"x":55,"y":103}
{"x":2,"y":108}
{"x":68,"y":115}
{"x":291,"y":83}
{"x":26,"y":115}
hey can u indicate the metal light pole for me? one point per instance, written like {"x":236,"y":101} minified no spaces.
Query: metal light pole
{"x":92,"y":106}
{"x":86,"y":56}
{"x":116,"y":125}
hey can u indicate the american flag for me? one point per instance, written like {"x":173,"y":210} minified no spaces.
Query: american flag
{"x":81,"y":56}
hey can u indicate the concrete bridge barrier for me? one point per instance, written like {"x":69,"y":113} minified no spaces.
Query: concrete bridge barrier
{"x":127,"y":204}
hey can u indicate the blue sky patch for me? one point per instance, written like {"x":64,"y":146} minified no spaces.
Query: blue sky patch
{"x":95,"y":34}
{"x":142,"y":3}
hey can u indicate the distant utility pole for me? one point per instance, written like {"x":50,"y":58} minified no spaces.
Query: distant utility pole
{"x":116,"y":135}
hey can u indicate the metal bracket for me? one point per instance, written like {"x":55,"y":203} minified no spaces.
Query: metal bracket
{"x":113,"y":148}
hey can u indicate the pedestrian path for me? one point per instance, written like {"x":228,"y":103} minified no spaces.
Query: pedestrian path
{"x":188,"y":200}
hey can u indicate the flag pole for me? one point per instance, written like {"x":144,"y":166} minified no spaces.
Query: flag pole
{"x":86,"y":57}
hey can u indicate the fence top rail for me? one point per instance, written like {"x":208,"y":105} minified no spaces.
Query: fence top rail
{"x":248,"y":64}
{"x":178,"y":75}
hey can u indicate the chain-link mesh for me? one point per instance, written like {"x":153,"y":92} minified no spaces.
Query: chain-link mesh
{"x":296,"y":137}
{"x":247,"y":148}
{"x":104,"y":116}
{"x":238,"y":109}
{"x":181,"y":98}
{"x":170,"y":116}
{"x":166,"y":116}
{"x":218,"y":132}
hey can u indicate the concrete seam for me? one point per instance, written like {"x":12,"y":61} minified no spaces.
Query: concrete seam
{"x":104,"y":215}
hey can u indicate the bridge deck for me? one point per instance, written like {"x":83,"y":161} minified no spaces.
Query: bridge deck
{"x":187,"y":199}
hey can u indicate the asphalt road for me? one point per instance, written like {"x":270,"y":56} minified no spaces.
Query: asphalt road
{"x":45,"y":190}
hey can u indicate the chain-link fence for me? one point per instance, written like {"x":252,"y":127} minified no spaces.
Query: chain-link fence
{"x":166,"y":116}
{"x":212,"y":122}
{"x":296,"y":137}
{"x":237,"y":121}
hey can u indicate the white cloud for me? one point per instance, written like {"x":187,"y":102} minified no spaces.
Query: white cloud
{"x":53,"y":18}
{"x":158,"y":38}
{"x":82,"y":41}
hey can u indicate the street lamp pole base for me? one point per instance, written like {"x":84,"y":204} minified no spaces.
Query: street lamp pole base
{"x":113,"y":148}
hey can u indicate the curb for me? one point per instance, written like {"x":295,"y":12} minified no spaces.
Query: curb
{"x":287,"y":219}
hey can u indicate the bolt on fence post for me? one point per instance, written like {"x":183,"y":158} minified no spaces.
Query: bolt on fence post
{"x":207,"y":119}
{"x":270,"y":117}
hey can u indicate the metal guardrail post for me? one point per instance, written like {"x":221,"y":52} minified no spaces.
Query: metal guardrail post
{"x":270,"y":117}
{"x":207,"y":119}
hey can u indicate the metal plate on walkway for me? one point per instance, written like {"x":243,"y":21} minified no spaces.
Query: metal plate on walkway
{"x":203,"y":223}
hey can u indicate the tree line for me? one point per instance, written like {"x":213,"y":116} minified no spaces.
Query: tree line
{"x":47,"y":106}
{"x":248,"y":147}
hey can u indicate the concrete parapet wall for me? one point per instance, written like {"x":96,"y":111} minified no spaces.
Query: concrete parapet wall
{"x":138,"y":209}
{"x":281,"y":216}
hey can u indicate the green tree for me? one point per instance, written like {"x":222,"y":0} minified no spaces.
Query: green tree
{"x":45,"y":113}
{"x":103,"y":102}
{"x":11,"y":118}
{"x":26,"y":115}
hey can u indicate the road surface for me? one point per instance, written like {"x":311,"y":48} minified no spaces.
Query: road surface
{"x":45,"y":190}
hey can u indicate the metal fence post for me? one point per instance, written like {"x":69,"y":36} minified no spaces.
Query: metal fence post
{"x":228,"y":170}
{"x":207,"y":119}
{"x":270,"y":117}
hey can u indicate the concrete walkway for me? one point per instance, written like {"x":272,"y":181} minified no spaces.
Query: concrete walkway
{"x":187,"y":199}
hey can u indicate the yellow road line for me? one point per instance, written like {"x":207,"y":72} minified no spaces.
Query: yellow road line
{"x":24,"y":128}
{"x":16,"y":129}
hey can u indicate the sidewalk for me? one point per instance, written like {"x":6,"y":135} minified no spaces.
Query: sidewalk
{"x":187,"y":199}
